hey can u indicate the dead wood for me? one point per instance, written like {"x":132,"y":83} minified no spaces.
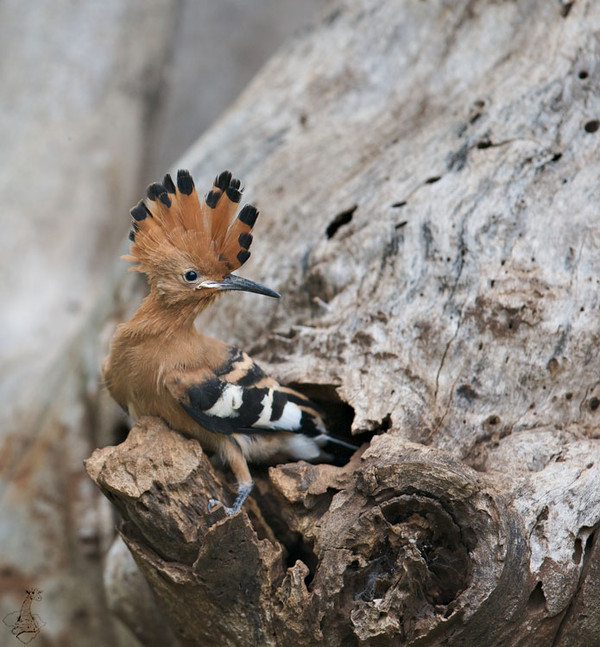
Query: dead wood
{"x":386,"y":543}
{"x":427,"y":175}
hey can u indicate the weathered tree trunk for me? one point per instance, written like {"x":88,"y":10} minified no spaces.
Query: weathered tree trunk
{"x":427,"y":175}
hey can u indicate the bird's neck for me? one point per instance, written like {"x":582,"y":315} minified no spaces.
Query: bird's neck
{"x":157,"y":317}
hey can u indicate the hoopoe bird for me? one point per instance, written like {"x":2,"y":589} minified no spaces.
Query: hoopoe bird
{"x":161,"y":365}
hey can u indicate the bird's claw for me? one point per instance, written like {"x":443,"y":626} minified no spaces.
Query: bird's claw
{"x":213,"y":503}
{"x":243,"y":492}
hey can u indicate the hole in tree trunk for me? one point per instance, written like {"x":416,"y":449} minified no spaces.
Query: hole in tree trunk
{"x":537,"y":599}
{"x":339,"y":416}
{"x":340,"y":220}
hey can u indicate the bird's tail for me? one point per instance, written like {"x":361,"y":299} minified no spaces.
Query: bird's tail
{"x":324,"y":439}
{"x":333,"y":449}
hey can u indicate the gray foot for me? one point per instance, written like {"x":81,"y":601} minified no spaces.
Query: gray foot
{"x":242,"y":494}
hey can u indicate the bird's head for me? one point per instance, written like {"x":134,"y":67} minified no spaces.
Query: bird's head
{"x":189,"y":247}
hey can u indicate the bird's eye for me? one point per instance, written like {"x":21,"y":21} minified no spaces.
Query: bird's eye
{"x":190,"y":276}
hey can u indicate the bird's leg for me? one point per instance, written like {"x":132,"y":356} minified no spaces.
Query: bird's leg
{"x":244,"y":490}
{"x":234,"y":456}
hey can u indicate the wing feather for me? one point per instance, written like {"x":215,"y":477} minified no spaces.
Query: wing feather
{"x":239,"y":398}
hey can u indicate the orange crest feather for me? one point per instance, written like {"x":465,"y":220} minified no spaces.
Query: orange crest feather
{"x":173,"y":223}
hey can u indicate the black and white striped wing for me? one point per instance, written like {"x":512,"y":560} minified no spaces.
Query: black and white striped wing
{"x":239,"y":398}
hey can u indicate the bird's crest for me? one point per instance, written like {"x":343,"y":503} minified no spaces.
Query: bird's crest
{"x":173,"y":223}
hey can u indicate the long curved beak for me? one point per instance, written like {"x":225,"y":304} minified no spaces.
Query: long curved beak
{"x":234,"y":282}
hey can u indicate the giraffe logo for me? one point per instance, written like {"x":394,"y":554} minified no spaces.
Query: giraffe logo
{"x":24,"y":625}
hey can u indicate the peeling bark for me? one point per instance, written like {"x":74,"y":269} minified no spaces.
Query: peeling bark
{"x":427,"y":175}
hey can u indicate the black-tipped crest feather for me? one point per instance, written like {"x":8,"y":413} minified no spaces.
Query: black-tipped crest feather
{"x":212,"y":198}
{"x":243,"y":256}
{"x":164,"y":198}
{"x":223,"y":180}
{"x":154,"y":191}
{"x":140,"y":211}
{"x":248,"y":215}
{"x":168,"y":183}
{"x":235,"y":195}
{"x":184,"y":182}
{"x":245,"y":240}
